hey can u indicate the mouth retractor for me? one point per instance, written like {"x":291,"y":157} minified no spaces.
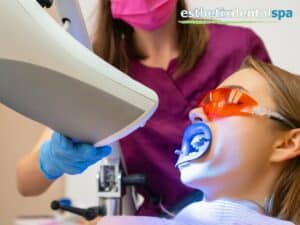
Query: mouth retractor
{"x":195,"y":143}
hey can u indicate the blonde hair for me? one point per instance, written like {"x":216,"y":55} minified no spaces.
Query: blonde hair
{"x":113,"y":41}
{"x":285,"y":200}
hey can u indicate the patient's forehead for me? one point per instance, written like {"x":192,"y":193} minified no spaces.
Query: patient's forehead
{"x":254,"y":83}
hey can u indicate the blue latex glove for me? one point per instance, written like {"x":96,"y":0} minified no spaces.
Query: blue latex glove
{"x":61,"y":155}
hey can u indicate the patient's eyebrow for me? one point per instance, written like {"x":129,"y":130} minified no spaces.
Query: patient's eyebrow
{"x":235,"y":86}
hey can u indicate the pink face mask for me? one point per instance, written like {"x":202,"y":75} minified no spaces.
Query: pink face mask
{"x":143,"y":14}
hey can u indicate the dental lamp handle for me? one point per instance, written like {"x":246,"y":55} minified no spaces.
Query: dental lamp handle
{"x":88,"y":214}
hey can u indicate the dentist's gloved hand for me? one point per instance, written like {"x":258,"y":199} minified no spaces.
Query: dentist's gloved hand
{"x":60,"y":155}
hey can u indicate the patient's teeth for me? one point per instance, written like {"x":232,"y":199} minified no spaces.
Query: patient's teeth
{"x":197,"y":142}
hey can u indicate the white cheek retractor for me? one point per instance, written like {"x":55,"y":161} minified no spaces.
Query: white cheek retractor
{"x":195,"y":143}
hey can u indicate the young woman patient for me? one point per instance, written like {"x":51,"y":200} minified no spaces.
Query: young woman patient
{"x":242,"y":150}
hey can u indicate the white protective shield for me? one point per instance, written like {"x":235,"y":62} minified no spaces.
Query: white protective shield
{"x":48,"y":76}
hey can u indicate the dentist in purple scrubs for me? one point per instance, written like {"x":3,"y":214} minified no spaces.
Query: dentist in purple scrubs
{"x":180,"y":62}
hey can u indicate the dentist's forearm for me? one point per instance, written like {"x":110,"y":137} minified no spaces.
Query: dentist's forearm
{"x":30,"y":180}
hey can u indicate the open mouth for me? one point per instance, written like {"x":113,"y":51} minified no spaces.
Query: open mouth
{"x":198,"y":141}
{"x":195,"y":143}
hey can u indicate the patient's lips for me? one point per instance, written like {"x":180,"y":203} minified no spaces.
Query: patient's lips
{"x":183,"y":164}
{"x":195,"y":143}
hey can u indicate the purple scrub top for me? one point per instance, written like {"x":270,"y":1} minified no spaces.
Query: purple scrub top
{"x":150,"y":150}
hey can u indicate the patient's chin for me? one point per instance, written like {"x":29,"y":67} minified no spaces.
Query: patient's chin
{"x":189,"y":176}
{"x":197,"y":175}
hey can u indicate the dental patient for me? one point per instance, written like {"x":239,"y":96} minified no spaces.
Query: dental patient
{"x":242,"y":150}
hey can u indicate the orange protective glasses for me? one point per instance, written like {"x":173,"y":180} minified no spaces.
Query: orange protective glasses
{"x":224,"y":102}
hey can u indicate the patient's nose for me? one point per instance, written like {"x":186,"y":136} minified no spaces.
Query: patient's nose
{"x":197,"y":114}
